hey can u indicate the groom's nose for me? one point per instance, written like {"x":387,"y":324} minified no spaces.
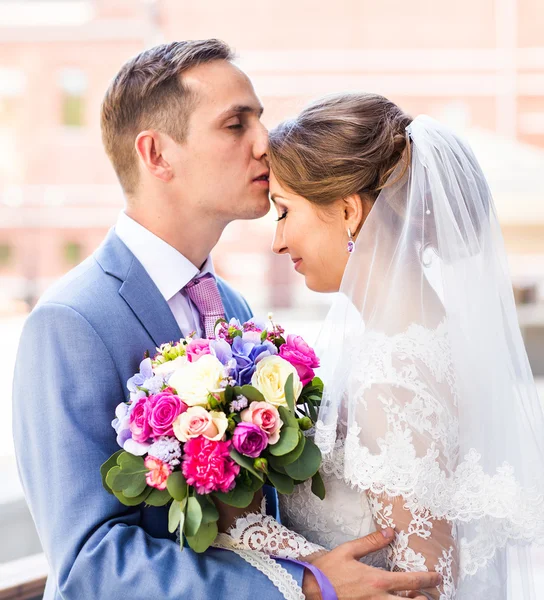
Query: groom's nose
{"x":260,"y":143}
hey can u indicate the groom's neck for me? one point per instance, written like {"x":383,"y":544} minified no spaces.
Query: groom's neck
{"x":193,"y":235}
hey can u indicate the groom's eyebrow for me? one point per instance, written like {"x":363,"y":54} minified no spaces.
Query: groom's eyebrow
{"x":238,"y":109}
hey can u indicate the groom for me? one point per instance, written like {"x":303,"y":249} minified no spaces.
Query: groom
{"x":181,"y":126}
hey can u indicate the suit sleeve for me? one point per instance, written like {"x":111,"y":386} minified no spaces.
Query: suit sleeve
{"x":65,"y":390}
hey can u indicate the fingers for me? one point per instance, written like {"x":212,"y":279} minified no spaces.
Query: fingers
{"x":412,"y":581}
{"x":368,"y":544}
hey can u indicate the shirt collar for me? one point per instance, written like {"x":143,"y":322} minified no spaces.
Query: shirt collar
{"x":168,"y":268}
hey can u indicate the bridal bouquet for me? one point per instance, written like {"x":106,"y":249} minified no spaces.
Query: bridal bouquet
{"x":217,"y":419}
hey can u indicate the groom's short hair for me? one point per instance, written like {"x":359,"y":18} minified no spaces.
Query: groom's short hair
{"x":148,"y":93}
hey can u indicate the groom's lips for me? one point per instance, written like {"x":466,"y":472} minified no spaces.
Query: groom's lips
{"x":262,"y":179}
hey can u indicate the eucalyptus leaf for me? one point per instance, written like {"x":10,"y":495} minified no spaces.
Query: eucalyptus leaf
{"x":110,"y":463}
{"x":285,"y":459}
{"x":283,"y":483}
{"x":132,"y":485}
{"x":289,"y":395}
{"x":318,"y":487}
{"x":158,"y":497}
{"x":130,"y":463}
{"x":288,"y":441}
{"x":246,"y":462}
{"x":307,"y":464}
{"x":204,"y":537}
{"x":193,"y":516}
{"x":111,"y":476}
{"x":209,"y":510}
{"x":287,"y":417}
{"x":252,"y":393}
{"x":177,"y":486}
{"x":133,"y":501}
{"x":174,"y":516}
{"x":238,"y":497}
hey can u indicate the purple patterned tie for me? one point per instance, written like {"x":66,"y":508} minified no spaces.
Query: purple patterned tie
{"x":205,"y":295}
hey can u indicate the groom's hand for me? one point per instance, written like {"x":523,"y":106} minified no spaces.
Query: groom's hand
{"x":357,"y":581}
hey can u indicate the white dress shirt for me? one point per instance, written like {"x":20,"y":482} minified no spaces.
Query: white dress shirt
{"x":168,"y":268}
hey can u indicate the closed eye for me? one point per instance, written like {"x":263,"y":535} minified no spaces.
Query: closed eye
{"x":284,"y":214}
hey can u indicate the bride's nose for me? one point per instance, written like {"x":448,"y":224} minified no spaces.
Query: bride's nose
{"x":278,"y":245}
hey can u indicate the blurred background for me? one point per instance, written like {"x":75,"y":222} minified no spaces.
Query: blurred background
{"x":477,"y":65}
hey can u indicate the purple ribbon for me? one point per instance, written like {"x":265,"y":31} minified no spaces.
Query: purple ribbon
{"x":327,"y":590}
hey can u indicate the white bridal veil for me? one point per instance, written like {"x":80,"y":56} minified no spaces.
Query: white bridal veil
{"x":429,"y":393}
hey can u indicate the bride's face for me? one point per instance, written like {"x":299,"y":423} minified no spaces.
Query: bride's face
{"x":315,"y":238}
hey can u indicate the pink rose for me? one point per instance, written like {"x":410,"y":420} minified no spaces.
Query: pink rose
{"x":197,"y":421}
{"x":249,"y":439}
{"x":158,"y":472}
{"x":301,"y":356}
{"x":208,"y":467}
{"x":165,"y":408}
{"x":265,"y":416}
{"x":139,"y":421}
{"x":196,"y":349}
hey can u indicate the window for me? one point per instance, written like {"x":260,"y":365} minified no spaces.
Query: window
{"x":12,"y":85}
{"x":5,"y":255}
{"x":73,"y":83}
{"x":73,"y":253}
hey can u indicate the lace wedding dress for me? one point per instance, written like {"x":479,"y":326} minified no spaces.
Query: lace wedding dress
{"x":354,"y":506}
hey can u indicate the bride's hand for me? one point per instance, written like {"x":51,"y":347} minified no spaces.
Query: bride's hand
{"x":229,"y":514}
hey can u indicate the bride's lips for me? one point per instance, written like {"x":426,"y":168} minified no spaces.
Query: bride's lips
{"x":262,"y":179}
{"x":296,"y":263}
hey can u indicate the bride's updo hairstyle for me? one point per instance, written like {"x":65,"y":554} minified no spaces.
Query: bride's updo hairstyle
{"x":339,"y":146}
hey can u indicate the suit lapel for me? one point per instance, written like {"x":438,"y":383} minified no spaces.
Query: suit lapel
{"x":138,"y":290}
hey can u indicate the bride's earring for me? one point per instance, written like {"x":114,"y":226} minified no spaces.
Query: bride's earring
{"x":351,"y":242}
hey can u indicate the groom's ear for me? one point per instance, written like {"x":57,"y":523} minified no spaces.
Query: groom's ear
{"x":150,"y":147}
{"x":356,"y":210}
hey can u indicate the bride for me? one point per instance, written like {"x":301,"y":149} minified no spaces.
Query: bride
{"x":430,"y":422}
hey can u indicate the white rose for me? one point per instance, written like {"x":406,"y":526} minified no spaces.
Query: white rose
{"x":270,"y":376}
{"x":168,"y":367}
{"x":194,"y":381}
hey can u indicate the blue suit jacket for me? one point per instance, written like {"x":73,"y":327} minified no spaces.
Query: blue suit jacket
{"x":78,"y":348}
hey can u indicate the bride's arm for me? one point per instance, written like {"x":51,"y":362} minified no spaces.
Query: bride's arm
{"x":403,"y":445}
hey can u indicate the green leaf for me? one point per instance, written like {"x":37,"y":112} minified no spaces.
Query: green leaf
{"x":289,"y":396}
{"x":181,"y":524}
{"x":312,"y":411}
{"x":209,"y":510}
{"x":287,"y":442}
{"x":204,"y":537}
{"x":283,"y":483}
{"x":174,"y":516}
{"x":133,"y":501}
{"x":308,"y":463}
{"x":158,"y":497}
{"x":128,"y":477}
{"x":193,"y":516}
{"x":240,"y":497}
{"x":288,"y":417}
{"x":130,"y":463}
{"x":245,"y":462}
{"x":229,"y":394}
{"x":318,"y":383}
{"x":111,"y":476}
{"x":111,"y":462}
{"x":318,"y":487}
{"x":132,"y":485}
{"x":252,"y":393}
{"x":285,"y":459}
{"x":177,"y":486}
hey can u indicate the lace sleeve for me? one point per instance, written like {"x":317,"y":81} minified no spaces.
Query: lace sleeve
{"x":260,"y":532}
{"x":401,"y":442}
